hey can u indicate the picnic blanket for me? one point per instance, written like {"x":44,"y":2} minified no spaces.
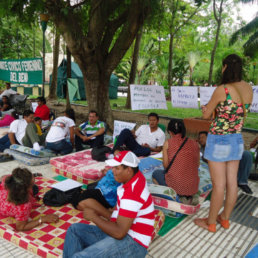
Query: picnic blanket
{"x":27,"y":159}
{"x":166,"y":199}
{"x":47,"y":240}
{"x":81,"y":167}
{"x":78,"y":166}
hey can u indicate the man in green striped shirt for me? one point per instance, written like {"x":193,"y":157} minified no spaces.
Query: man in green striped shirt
{"x":91,"y":132}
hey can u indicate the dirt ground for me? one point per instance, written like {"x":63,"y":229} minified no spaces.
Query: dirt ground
{"x":82,"y":112}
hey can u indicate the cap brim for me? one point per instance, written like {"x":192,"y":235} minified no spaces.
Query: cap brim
{"x":112,"y":162}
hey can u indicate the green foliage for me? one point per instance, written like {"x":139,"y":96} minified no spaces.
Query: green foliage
{"x":18,"y":40}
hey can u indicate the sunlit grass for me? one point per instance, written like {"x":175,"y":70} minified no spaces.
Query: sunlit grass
{"x":119,"y":104}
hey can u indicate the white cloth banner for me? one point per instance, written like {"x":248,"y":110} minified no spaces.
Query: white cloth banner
{"x":205,"y":94}
{"x":184,"y":97}
{"x":34,"y":106}
{"x":254,"y":106}
{"x":120,"y":125}
{"x":148,"y":97}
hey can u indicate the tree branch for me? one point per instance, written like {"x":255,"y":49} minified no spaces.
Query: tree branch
{"x":111,"y":29}
{"x":137,"y":12}
{"x":215,"y":11}
{"x":186,"y":21}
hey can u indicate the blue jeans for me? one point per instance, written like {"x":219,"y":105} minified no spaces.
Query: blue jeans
{"x":98,"y":141}
{"x":4,"y":143}
{"x":159,"y":175}
{"x":63,"y":147}
{"x":126,"y":138}
{"x":244,"y":168}
{"x":84,"y":241}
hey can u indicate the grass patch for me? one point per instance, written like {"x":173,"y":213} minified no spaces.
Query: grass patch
{"x":119,"y":104}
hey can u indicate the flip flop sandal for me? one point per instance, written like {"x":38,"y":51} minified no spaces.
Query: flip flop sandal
{"x":223,"y":222}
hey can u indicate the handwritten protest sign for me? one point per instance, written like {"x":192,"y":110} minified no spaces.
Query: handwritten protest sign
{"x":120,"y":125}
{"x":147,"y":97}
{"x":184,"y":97}
{"x":205,"y":94}
{"x":254,"y":106}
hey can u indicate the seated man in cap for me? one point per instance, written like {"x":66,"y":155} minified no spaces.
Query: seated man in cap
{"x":125,"y":232}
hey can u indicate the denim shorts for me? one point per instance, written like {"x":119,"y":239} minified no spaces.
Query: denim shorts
{"x":221,"y":148}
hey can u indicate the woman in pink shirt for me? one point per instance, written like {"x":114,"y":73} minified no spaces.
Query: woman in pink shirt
{"x":8,"y":119}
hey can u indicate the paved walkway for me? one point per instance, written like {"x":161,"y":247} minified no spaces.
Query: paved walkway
{"x":185,"y":240}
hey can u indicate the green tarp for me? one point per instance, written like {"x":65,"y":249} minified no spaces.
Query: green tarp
{"x":77,"y":74}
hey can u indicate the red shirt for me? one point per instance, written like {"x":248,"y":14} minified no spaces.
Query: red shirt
{"x":183,"y":174}
{"x":20,"y":212}
{"x":134,"y":201}
{"x":42,"y":112}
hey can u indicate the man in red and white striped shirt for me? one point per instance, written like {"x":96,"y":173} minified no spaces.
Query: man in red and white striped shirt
{"x":128,"y":230}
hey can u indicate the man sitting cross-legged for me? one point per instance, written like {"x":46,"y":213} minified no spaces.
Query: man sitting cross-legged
{"x":126,"y":232}
{"x":147,"y":138}
{"x":91,"y":132}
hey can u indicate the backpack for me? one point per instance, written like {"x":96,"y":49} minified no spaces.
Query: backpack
{"x":56,"y":198}
{"x":99,"y":153}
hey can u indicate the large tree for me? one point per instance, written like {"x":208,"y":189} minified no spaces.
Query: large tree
{"x":98,"y":33}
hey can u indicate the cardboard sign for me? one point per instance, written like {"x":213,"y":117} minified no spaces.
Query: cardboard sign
{"x":205,"y":94}
{"x":254,"y":106}
{"x":184,"y":97}
{"x":147,"y":97}
{"x":120,"y":125}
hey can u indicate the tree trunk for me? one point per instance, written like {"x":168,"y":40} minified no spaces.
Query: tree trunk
{"x":213,"y":52}
{"x":134,"y":66}
{"x":53,"y":86}
{"x":191,"y":77}
{"x":69,"y":74}
{"x":170,"y":64}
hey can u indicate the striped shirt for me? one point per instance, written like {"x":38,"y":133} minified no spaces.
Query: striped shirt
{"x":87,"y":129}
{"x":135,"y":201}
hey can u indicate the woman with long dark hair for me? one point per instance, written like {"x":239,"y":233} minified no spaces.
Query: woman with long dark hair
{"x":224,"y":148}
{"x":16,"y":200}
{"x":182,"y":175}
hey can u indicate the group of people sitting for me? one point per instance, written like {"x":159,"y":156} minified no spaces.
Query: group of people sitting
{"x":119,"y":203}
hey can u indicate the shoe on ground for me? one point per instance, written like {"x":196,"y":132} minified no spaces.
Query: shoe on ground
{"x":246,"y":189}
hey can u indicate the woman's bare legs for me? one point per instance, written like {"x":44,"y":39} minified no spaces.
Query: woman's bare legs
{"x":231,"y":187}
{"x":218,"y":177}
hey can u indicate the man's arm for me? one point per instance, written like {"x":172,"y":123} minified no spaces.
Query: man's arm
{"x":99,"y":132}
{"x":157,"y":149}
{"x":72,"y":135}
{"x":12,"y":138}
{"x":117,"y":230}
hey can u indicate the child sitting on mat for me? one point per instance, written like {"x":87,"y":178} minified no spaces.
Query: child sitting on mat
{"x":16,"y":200}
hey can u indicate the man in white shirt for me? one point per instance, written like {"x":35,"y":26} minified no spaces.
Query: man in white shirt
{"x":8,"y":92}
{"x":146,"y":139}
{"x":17,"y":131}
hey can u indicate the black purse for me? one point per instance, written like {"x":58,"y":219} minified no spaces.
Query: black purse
{"x":172,"y":160}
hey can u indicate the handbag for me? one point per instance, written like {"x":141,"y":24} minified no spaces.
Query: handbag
{"x":172,"y":160}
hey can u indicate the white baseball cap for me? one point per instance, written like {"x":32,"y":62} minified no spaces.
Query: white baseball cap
{"x":127,"y":158}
